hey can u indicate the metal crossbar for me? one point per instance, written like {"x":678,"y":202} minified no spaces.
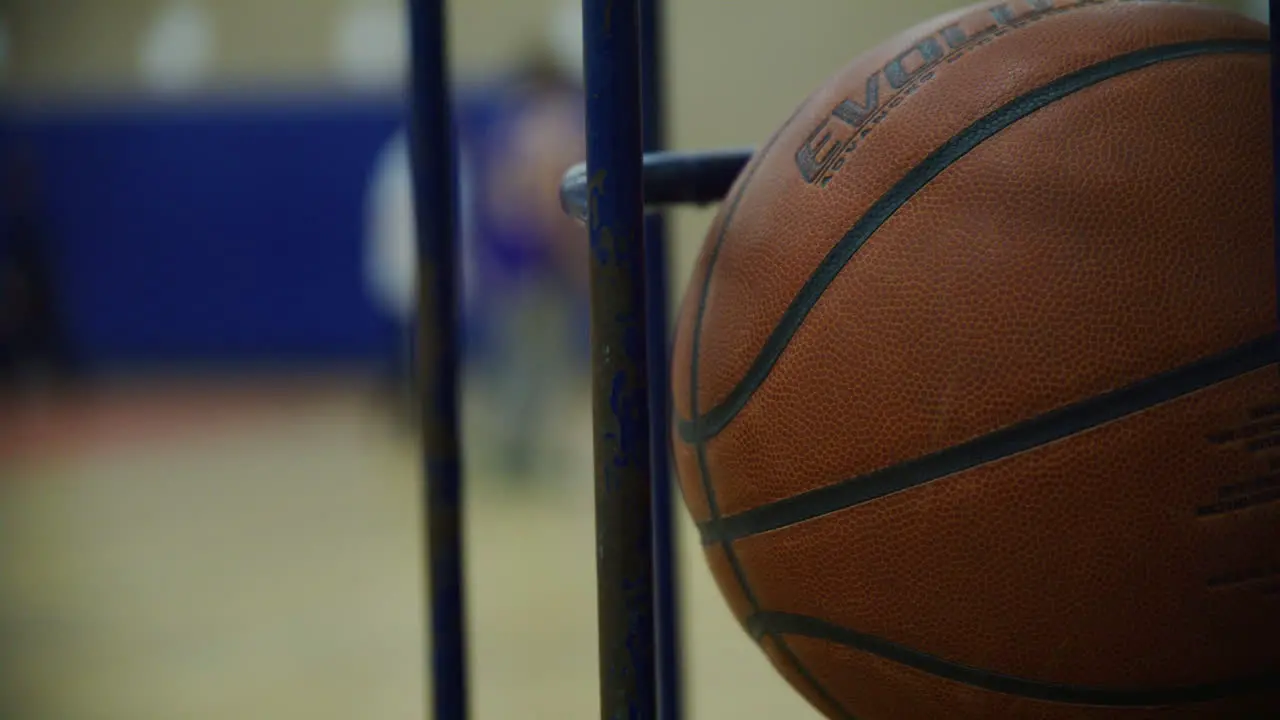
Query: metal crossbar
{"x":638,"y":607}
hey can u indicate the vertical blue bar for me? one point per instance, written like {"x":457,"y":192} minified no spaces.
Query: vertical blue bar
{"x":666,"y":601}
{"x":620,"y":367}
{"x":1273,"y":13}
{"x":435,"y":200}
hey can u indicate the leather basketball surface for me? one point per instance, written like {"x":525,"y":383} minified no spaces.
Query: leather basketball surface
{"x":975,"y":383}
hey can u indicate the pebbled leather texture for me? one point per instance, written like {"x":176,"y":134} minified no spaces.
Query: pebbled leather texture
{"x":1117,"y":232}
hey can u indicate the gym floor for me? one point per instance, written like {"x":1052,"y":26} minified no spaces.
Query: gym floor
{"x":251,"y":549}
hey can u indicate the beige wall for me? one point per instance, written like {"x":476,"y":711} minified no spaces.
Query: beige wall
{"x":74,"y":45}
{"x":736,"y":68}
{"x":742,"y":46}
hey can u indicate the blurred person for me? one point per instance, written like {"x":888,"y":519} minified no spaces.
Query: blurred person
{"x":389,"y":267}
{"x":33,"y":335}
{"x":524,"y":261}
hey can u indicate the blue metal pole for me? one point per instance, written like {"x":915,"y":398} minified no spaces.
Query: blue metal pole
{"x":437,"y":348}
{"x":666,"y":600}
{"x":1273,"y":13}
{"x":620,"y":362}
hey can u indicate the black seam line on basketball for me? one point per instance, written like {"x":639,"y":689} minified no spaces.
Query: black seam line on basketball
{"x":717,"y":418}
{"x":700,"y":448}
{"x":1021,"y":437}
{"x":704,"y":471}
{"x":778,"y":623}
{"x":749,"y":174}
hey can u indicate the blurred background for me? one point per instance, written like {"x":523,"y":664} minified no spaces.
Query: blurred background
{"x":208,"y":480}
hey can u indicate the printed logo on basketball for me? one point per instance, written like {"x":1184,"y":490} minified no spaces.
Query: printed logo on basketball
{"x":1259,"y":436}
{"x":826,"y":148}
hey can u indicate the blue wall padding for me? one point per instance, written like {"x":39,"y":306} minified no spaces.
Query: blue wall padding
{"x":220,"y":231}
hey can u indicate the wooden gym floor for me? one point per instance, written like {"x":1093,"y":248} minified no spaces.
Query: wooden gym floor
{"x":250,"y":549}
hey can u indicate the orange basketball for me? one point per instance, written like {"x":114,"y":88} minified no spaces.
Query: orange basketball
{"x":977,"y":405}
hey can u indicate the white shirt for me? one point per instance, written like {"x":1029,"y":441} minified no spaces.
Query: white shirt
{"x":390,"y":236}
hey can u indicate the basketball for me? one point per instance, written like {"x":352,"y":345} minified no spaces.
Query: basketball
{"x":975,"y":390}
